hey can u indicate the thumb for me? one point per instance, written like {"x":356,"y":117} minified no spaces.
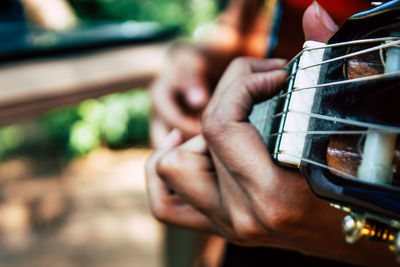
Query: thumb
{"x":318,"y":24}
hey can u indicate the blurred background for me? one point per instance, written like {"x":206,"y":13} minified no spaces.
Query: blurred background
{"x":74,"y":130}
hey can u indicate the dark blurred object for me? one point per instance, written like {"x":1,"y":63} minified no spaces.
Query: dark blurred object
{"x":19,"y":38}
{"x":12,"y":23}
{"x":19,"y":41}
{"x":236,"y":256}
{"x":222,"y":4}
{"x":11,"y":11}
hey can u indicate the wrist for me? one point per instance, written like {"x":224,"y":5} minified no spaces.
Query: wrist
{"x":182,"y":46}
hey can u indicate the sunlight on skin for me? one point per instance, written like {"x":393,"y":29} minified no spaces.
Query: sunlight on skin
{"x":51,"y":15}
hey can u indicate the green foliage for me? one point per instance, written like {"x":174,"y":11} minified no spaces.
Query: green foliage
{"x":117,"y":121}
{"x":57,"y":124}
{"x":203,"y":11}
{"x":11,"y":139}
{"x":126,"y":118}
{"x":187,"y":13}
{"x":170,"y":12}
{"x":84,"y":137}
{"x":92,"y":111}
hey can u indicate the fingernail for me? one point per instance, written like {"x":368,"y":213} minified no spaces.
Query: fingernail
{"x":173,"y":138}
{"x":316,"y":6}
{"x":325,"y":18}
{"x":196,"y":97}
{"x":281,"y":61}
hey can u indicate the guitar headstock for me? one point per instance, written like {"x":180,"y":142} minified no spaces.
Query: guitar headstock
{"x":338,"y":120}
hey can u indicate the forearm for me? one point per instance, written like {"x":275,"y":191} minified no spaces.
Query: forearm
{"x":241,"y":14}
{"x":241,"y":30}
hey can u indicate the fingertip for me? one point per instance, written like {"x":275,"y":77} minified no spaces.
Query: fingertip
{"x":281,"y":61}
{"x":197,"y":97}
{"x":174,"y":138}
{"x":318,"y":25}
{"x":278,"y":76}
{"x":196,"y":144}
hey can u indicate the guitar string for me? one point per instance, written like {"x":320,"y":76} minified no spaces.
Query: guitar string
{"x":344,"y":44}
{"x":342,"y":173}
{"x":350,"y":132}
{"x":372,"y":40}
{"x":329,"y":118}
{"x":361,"y":79}
{"x":375,"y":126}
{"x":354,"y":42}
{"x":382,"y":58}
{"x":355,"y":80}
{"x":340,"y":44}
{"x":364,"y":51}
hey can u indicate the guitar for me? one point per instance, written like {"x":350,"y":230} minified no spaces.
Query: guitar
{"x":337,"y":120}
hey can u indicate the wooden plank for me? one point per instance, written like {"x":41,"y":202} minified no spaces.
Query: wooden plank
{"x":30,"y":88}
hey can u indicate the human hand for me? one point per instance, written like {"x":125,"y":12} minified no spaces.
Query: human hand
{"x":182,"y":91}
{"x":230,"y":184}
{"x":194,"y":158}
{"x":244,"y":195}
{"x":246,"y":199}
{"x":165,"y":204}
{"x":180,"y":94}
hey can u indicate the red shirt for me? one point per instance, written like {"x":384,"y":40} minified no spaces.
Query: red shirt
{"x":291,"y":38}
{"x":340,"y":10}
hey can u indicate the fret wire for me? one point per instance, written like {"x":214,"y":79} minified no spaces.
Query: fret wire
{"x":364,"y":51}
{"x":271,"y":117}
{"x":382,"y":58}
{"x":344,"y":174}
{"x":374,"y":126}
{"x":277,"y":115}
